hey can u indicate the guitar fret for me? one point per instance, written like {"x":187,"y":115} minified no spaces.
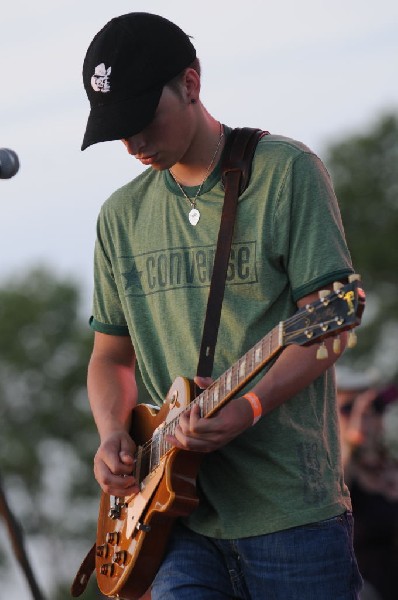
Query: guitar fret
{"x":222,"y":386}
{"x":213,"y":399}
{"x":160,"y":442}
{"x":204,"y":403}
{"x":210,"y":400}
{"x":210,"y":404}
{"x":216,"y":395}
{"x":251,"y":357}
{"x":199,"y":402}
{"x":153,"y":461}
{"x":161,"y":445}
{"x":138,"y":463}
{"x":144,"y":464}
{"x":165,"y":443}
{"x":242,"y":368}
{"x":258,"y":354}
{"x":235,"y":378}
{"x":228,"y":380}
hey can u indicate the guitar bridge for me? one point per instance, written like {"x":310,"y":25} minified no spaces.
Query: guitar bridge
{"x":115,"y":507}
{"x":143,"y":527}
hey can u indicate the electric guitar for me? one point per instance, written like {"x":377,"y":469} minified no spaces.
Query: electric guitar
{"x":133,"y":530}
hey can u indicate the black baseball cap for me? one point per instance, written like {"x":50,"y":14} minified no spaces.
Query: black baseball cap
{"x":125,"y":69}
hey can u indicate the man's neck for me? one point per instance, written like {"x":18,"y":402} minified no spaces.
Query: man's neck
{"x":202,"y":156}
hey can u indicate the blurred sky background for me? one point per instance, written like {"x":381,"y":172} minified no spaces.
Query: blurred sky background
{"x":314,"y":70}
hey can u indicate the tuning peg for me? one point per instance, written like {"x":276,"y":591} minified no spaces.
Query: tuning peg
{"x":352,"y":339}
{"x":322,"y":352}
{"x":337,"y":345}
{"x":337,"y":285}
{"x":323,"y":296}
{"x":354,"y":277}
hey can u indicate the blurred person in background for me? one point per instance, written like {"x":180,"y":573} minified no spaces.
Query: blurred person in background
{"x":368,"y":415}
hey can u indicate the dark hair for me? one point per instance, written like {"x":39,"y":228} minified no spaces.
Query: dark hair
{"x":174,"y":83}
{"x":196,"y":66}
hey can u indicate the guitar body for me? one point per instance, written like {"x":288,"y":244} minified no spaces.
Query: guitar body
{"x":127,"y":561}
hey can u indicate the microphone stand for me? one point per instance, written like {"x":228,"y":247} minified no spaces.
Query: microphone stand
{"x":16,"y":536}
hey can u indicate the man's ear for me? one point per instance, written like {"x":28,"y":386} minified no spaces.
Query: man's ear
{"x":191,"y":82}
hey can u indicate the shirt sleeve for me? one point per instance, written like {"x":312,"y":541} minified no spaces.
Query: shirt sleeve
{"x":108,"y":314}
{"x":313,"y":243}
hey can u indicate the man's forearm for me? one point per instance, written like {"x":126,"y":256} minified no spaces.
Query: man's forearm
{"x":112,"y":394}
{"x":293,"y":371}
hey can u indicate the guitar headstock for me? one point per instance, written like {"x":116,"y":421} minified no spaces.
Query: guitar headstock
{"x":335,"y":311}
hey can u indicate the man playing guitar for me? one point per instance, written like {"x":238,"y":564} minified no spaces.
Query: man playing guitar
{"x":273,"y":518}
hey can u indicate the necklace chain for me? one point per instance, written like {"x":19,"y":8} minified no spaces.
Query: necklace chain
{"x":194,"y":214}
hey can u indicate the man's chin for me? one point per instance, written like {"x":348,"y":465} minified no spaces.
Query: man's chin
{"x":154,"y":163}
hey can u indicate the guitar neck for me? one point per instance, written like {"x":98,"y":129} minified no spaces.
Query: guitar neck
{"x":332,"y":313}
{"x":236,"y":377}
{"x":222,"y":389}
{"x":214,"y":397}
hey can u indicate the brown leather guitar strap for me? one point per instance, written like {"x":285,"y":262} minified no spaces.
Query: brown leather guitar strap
{"x":236,"y":170}
{"x":84,"y":573}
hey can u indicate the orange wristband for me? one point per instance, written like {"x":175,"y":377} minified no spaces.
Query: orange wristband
{"x":255,"y":404}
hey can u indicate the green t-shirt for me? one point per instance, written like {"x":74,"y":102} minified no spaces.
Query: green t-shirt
{"x":152,"y":278}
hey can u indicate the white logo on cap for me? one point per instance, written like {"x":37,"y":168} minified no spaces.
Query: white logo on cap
{"x":100,"y":79}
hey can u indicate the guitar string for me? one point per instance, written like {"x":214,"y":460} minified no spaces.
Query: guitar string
{"x":169,"y":427}
{"x":249,"y":354}
{"x":146,"y":449}
{"x":159,"y":440}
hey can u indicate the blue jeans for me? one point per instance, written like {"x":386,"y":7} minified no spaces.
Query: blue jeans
{"x":312,"y":562}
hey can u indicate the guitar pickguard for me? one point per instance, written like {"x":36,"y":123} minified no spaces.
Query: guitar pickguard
{"x":138,"y":503}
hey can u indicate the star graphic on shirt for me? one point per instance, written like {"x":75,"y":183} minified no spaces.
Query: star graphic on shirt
{"x":132,"y":277}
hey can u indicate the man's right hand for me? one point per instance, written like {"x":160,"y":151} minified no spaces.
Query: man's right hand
{"x":114,"y":465}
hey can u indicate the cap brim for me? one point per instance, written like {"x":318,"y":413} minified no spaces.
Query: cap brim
{"x":120,"y":120}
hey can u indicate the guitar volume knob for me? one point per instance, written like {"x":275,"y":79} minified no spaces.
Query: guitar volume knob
{"x":102,"y":551}
{"x":108,"y":569}
{"x":112,"y":538}
{"x":120,"y":557}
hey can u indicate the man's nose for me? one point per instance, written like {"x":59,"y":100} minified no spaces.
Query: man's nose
{"x":133,"y":144}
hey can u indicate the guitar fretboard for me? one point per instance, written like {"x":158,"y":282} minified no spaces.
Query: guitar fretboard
{"x":212,"y":398}
{"x":331,"y":314}
{"x":328,"y":316}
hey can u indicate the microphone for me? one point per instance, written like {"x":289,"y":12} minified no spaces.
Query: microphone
{"x":9,"y":163}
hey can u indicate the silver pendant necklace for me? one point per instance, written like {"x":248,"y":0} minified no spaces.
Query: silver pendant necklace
{"x":194,"y":214}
